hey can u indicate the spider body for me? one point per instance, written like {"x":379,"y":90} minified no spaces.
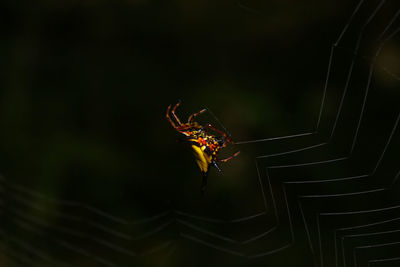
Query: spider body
{"x":205,"y":141}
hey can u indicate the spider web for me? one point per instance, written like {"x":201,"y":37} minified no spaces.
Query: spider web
{"x":328,"y":195}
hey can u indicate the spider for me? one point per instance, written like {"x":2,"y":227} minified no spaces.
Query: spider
{"x":205,"y":145}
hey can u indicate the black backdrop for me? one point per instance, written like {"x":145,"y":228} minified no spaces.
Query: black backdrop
{"x":91,"y":171}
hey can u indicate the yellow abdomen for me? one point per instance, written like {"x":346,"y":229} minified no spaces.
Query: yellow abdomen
{"x":202,"y":159}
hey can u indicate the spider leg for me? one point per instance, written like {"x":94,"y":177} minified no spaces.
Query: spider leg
{"x":216,"y":165}
{"x":220,"y":132}
{"x":191,"y":117}
{"x":229,"y":158}
{"x":204,"y":182}
{"x":187,"y":126}
{"x":169,"y":118}
{"x":173,"y":112}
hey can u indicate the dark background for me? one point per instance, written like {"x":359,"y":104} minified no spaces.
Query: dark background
{"x":84,"y":90}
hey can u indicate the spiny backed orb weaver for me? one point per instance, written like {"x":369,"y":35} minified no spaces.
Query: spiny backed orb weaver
{"x":205,"y":146}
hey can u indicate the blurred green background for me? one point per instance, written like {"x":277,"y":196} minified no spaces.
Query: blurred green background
{"x":85,"y":86}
